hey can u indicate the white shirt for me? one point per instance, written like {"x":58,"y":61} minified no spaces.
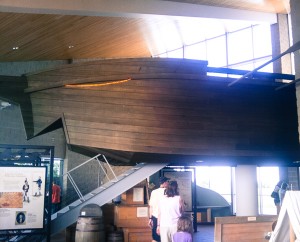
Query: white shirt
{"x":156,"y":196}
{"x":169,"y":211}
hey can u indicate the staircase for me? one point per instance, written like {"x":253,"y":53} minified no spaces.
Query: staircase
{"x":103,"y":194}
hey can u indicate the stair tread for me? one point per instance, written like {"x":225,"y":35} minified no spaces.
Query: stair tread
{"x":95,"y":195}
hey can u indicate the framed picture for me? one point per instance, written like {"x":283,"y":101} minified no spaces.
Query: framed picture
{"x":22,"y":197}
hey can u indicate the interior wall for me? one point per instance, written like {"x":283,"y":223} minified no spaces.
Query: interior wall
{"x":12,"y":131}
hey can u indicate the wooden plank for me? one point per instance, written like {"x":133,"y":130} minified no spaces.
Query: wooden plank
{"x":218,"y":232}
{"x":171,"y":115}
{"x":233,"y":229}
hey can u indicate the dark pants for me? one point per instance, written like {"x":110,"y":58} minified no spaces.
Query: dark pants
{"x":55,"y":207}
{"x":155,"y":236}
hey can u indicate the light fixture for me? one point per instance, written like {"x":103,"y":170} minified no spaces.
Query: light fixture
{"x":97,"y":84}
{"x":293,"y":48}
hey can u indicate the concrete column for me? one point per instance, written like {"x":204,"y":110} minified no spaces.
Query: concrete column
{"x":246,"y":190}
{"x":280,"y":43}
{"x":295,"y":22}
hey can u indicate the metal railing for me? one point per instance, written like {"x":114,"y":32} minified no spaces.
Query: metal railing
{"x":77,"y":184}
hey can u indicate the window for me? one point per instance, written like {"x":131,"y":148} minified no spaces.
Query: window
{"x":57,"y":169}
{"x":231,"y":44}
{"x":262,"y":41}
{"x":267,"y":178}
{"x":216,"y":52}
{"x":209,"y":177}
{"x":196,"y":51}
{"x":240,"y":46}
{"x":175,"y":53}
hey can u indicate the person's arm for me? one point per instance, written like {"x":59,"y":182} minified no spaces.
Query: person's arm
{"x":150,"y":222}
{"x":158,"y":221}
{"x":181,"y":205}
{"x":150,"y":210}
{"x":158,"y":218}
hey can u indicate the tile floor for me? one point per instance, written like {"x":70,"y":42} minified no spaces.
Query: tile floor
{"x":205,"y":233}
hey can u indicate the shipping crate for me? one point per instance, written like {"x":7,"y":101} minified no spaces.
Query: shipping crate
{"x":137,"y":195}
{"x":131,"y":216}
{"x":201,"y":217}
{"x":134,"y":196}
{"x":137,"y":234}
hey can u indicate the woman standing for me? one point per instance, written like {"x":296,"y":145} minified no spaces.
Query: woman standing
{"x":169,"y":211}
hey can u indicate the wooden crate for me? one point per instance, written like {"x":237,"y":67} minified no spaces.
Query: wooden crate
{"x":137,"y":195}
{"x":131,"y":216}
{"x":243,"y":228}
{"x":204,"y":216}
{"x":137,"y":234}
{"x":201,"y":217}
{"x":134,"y":196}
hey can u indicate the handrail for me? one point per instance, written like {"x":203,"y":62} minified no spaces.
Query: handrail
{"x":75,"y":186}
{"x":110,"y":167}
{"x":81,"y":164}
{"x":104,"y":171}
{"x":72,"y":181}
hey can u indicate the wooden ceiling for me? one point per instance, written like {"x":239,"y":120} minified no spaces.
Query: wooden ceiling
{"x":56,"y":37}
{"x":34,"y":36}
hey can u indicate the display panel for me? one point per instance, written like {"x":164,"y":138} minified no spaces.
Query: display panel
{"x":184,"y":181}
{"x":22,"y":196}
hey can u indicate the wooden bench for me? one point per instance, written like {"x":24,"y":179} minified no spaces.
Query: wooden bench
{"x":243,"y":228}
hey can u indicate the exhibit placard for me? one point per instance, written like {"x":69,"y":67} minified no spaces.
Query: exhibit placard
{"x":184,"y":180}
{"x":22,"y":197}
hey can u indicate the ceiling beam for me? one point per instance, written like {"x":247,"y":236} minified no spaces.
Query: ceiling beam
{"x":133,"y":8}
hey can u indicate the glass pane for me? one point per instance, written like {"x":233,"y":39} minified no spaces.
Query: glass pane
{"x":248,"y":66}
{"x":240,"y":46}
{"x":163,"y":55}
{"x":213,"y":28}
{"x":57,"y":168}
{"x":234,"y":25}
{"x":202,"y":176}
{"x":216,"y":52}
{"x":192,"y":31}
{"x":217,"y":179}
{"x":176,"y":53}
{"x":267,"y":68}
{"x":196,"y":51}
{"x":262,"y":44}
{"x":267,"y":178}
{"x":220,"y":180}
{"x":217,"y":74}
{"x":167,"y":36}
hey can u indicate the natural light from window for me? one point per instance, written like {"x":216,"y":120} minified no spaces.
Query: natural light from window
{"x":217,"y":178}
{"x":228,"y":44}
{"x":267,"y":178}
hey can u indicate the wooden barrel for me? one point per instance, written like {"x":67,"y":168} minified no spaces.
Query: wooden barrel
{"x":89,"y":229}
{"x":116,"y":236}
